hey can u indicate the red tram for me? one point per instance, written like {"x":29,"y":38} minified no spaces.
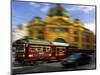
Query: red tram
{"x":32,"y":51}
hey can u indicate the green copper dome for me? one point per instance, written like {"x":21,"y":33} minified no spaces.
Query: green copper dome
{"x":58,"y":10}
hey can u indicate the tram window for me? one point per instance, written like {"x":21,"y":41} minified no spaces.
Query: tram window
{"x":19,"y":50}
{"x":39,"y":49}
{"x":57,"y":49}
{"x":62,"y":49}
{"x":36,"y":49}
{"x":48,"y":49}
{"x":44,"y":50}
{"x":33,"y":50}
{"x":19,"y":47}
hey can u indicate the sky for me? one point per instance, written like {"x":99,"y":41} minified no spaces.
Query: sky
{"x":23,"y":12}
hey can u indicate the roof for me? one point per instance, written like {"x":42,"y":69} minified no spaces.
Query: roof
{"x":60,"y":43}
{"x":58,"y":10}
{"x":39,"y":42}
{"x":47,"y":43}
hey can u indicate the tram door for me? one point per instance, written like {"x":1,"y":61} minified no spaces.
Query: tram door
{"x":53,"y":52}
{"x":60,"y":52}
{"x":20,"y":51}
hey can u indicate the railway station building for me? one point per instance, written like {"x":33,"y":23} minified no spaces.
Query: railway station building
{"x":59,"y":27}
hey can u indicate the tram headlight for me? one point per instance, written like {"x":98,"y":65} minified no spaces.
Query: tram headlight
{"x":49,"y":54}
{"x":30,"y":55}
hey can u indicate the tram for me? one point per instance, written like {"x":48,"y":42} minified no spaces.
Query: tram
{"x":35,"y":51}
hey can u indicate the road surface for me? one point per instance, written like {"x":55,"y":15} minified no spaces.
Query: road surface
{"x":49,"y":67}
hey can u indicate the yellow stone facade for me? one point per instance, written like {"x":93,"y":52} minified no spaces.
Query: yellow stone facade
{"x":62,"y":29}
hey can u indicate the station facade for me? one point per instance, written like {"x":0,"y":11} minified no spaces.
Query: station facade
{"x":59,"y":27}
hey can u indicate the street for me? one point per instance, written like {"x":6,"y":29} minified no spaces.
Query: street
{"x":50,"y":67}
